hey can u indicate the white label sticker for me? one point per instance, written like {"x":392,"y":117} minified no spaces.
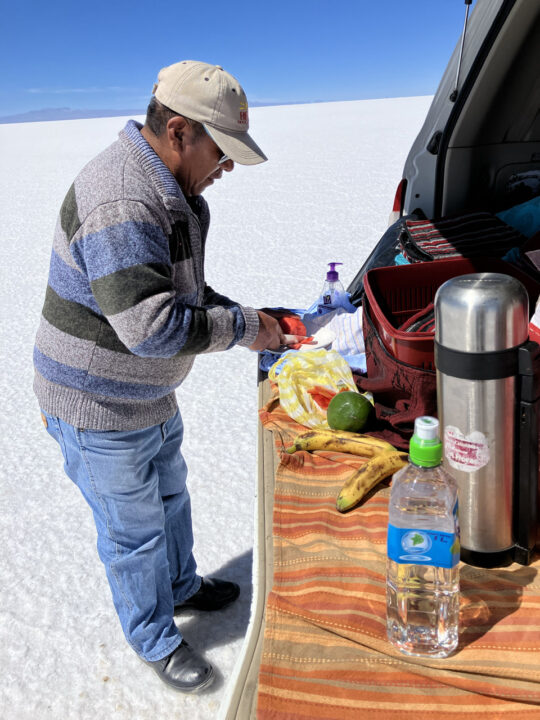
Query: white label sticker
{"x":465,"y":452}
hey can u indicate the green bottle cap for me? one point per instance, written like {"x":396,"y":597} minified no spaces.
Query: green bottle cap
{"x":425,"y":448}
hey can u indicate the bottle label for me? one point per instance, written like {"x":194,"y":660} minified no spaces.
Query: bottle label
{"x":327,"y":299}
{"x":422,"y":547}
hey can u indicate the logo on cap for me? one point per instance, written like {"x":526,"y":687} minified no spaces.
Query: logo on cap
{"x":243,"y":113}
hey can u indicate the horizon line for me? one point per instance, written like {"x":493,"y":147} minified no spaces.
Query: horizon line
{"x":66,"y":113}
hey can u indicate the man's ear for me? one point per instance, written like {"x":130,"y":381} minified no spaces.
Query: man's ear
{"x":177,"y":127}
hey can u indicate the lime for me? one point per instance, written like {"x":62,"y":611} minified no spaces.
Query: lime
{"x":348,"y":410}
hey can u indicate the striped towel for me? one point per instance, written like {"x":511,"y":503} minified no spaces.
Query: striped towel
{"x":349,"y":335}
{"x":472,"y":235}
{"x":347,"y":327}
{"x":325,"y":653}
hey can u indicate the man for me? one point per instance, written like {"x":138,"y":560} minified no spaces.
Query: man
{"x":126,"y":310}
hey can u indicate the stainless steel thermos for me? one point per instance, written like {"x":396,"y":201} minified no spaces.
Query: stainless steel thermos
{"x":487,"y":395}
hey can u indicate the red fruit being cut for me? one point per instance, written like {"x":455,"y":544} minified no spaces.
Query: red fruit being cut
{"x":292,"y":325}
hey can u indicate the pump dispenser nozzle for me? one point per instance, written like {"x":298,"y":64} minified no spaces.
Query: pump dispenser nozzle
{"x":332,"y":275}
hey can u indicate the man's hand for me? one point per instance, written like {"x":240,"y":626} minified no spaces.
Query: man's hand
{"x":278,"y":313}
{"x":270,"y":335}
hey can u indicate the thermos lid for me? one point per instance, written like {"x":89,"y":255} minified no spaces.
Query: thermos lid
{"x":481,"y":312}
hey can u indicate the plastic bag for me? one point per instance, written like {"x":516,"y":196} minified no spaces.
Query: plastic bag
{"x":303,"y":377}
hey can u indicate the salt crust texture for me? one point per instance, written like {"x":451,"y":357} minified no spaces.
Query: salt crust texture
{"x":325,"y":195}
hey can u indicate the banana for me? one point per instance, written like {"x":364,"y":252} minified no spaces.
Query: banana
{"x":340,"y":441}
{"x":381,"y":466}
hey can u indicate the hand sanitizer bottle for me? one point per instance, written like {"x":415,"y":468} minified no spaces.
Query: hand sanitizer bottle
{"x":332,"y":286}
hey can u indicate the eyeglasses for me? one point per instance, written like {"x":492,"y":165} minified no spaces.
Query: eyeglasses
{"x":223,"y":159}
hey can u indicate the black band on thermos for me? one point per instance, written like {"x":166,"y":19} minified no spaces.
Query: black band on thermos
{"x":493,"y":365}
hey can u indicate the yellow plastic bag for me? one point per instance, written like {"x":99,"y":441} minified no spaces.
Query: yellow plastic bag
{"x":296,"y":374}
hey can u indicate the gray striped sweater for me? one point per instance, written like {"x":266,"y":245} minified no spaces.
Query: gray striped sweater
{"x":127,"y":307}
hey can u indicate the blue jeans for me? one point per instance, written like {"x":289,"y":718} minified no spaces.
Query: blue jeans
{"x":135,"y":484}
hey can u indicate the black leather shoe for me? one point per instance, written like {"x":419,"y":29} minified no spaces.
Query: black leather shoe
{"x":213,"y":594}
{"x":184,"y":669}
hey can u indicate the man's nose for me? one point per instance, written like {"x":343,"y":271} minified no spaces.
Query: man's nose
{"x":228,"y":165}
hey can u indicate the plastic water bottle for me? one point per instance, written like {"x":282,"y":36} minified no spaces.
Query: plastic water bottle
{"x":422,"y":579}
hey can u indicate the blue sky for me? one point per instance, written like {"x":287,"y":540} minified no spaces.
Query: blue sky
{"x":106,"y":54}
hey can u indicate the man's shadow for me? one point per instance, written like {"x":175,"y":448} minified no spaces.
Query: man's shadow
{"x":207,"y":630}
{"x":488,"y":596}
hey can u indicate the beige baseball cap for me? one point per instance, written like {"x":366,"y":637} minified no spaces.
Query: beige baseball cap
{"x":213,"y":97}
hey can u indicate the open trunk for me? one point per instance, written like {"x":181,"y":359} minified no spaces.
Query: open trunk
{"x":479,"y":147}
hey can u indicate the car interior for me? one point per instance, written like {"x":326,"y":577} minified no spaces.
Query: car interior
{"x":490,"y":155}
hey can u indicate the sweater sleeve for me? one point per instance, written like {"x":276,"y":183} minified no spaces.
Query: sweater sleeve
{"x":211,"y":297}
{"x":123,"y":250}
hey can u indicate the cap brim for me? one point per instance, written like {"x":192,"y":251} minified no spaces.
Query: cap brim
{"x":240,"y":147}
